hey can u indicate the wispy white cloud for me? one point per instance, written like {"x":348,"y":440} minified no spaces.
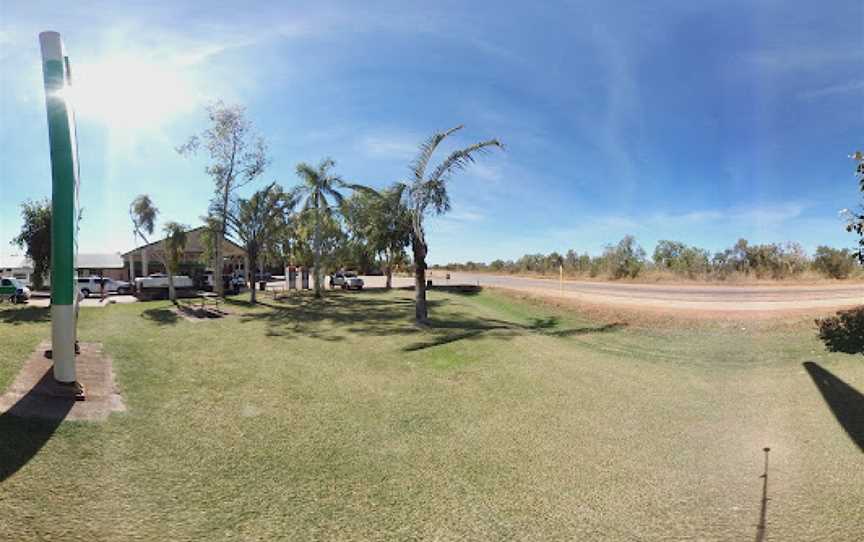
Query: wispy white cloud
{"x":397,"y":147}
{"x":795,"y":59}
{"x":486,"y":172}
{"x":832,"y":90}
{"x":466,"y":215}
{"x":617,"y":129}
{"x":458,"y":222}
{"x":770,"y":215}
{"x":594,"y":232}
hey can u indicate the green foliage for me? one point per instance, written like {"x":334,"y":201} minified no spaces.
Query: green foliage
{"x":681,"y":259}
{"x":35,"y":237}
{"x":175,"y":245}
{"x":379,"y":226}
{"x":855,"y":220}
{"x":626,"y":259}
{"x":834,"y":263}
{"x":775,"y":261}
{"x":209,"y":236}
{"x":237,"y":156}
{"x":332,"y":239}
{"x":843,"y":332}
{"x":143,"y":214}
{"x":318,"y":188}
{"x":257,"y":222}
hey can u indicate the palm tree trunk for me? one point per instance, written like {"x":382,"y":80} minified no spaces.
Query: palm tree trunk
{"x":421,"y":314}
{"x":317,"y":252}
{"x":172,"y":294}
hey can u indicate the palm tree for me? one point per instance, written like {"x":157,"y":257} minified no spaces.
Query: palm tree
{"x":174,"y":246}
{"x":257,"y":222}
{"x":427,"y":194}
{"x":318,"y":188}
{"x":143,"y":214}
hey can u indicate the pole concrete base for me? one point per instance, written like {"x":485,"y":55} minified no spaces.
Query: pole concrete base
{"x":63,"y":342}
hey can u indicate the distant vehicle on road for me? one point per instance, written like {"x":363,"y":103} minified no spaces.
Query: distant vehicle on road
{"x":346,"y":280}
{"x":14,"y":290}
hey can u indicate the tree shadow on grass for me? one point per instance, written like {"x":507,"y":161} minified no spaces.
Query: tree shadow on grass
{"x":844,"y":332}
{"x":22,"y":434}
{"x":330,"y":317}
{"x":327,"y":318}
{"x":845,"y":402}
{"x":162,"y":317}
{"x":22,"y":315}
{"x":470,"y":329}
{"x":459,"y":289}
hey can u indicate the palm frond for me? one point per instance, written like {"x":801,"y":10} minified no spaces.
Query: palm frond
{"x":360,"y":188}
{"x":308,"y":174}
{"x":462,"y":158}
{"x":427,"y":149}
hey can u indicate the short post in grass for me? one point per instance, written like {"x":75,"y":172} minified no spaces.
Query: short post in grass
{"x":561,"y":278}
{"x":64,"y":206}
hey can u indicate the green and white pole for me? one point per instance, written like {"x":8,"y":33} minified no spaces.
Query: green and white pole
{"x":64,"y":205}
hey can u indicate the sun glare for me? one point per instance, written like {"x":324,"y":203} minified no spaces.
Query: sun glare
{"x":126,"y":92}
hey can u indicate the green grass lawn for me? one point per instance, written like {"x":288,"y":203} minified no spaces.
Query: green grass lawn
{"x":506,"y":420}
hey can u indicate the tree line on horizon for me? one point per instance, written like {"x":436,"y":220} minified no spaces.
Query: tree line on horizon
{"x":627,"y":259}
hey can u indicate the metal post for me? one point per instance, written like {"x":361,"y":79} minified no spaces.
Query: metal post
{"x":64,"y":205}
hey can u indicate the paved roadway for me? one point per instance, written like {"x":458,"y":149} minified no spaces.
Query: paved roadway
{"x":709,"y":298}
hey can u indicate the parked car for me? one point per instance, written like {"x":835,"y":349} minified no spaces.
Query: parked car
{"x":117,"y":286}
{"x":231,"y":285}
{"x":96,"y":285}
{"x":14,"y":290}
{"x":346,"y":280}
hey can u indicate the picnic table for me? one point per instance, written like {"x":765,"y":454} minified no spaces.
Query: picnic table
{"x":207,"y":298}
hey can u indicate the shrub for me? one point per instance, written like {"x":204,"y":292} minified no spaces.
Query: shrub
{"x":834,"y":263}
{"x":681,"y":259}
{"x":626,"y":259}
{"x":844,"y":332}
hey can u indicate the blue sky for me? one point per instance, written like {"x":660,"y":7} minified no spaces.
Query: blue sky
{"x":695,"y":121}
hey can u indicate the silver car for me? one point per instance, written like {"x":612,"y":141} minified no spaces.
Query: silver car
{"x":347,"y":281}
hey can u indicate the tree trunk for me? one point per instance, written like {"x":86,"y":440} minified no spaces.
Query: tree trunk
{"x":145,"y":262}
{"x":389,"y":277}
{"x":172,"y":294}
{"x":317,"y":254}
{"x":218,"y":285}
{"x":252,"y":258}
{"x":420,"y":312}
